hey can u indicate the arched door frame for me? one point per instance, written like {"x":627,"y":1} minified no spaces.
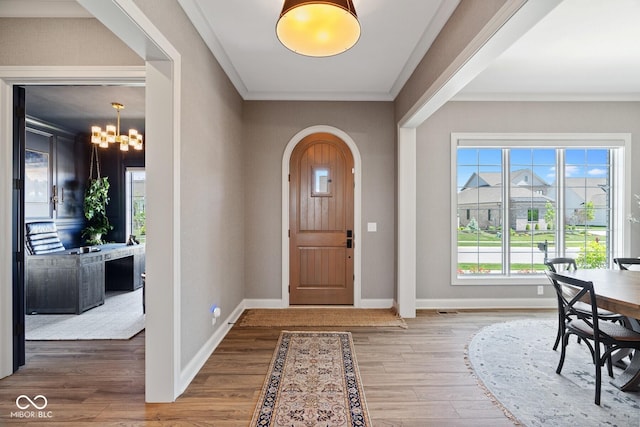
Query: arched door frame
{"x":357,"y":208}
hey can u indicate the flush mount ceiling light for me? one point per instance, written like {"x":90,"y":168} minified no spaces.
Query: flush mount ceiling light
{"x":111,"y":134}
{"x":318,"y":28}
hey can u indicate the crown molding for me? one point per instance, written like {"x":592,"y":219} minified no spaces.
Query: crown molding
{"x":547,"y":97}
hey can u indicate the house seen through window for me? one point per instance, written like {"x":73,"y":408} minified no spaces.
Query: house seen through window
{"x":518,"y":204}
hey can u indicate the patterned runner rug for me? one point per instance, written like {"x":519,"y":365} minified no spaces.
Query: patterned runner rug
{"x":517,"y":365}
{"x":313,"y":380}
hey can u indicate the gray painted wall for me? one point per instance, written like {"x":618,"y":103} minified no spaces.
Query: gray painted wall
{"x":232,"y":156}
{"x":211,"y":172}
{"x":61,"y":41}
{"x":268,"y":128}
{"x":434,"y":171}
{"x":212,"y":232}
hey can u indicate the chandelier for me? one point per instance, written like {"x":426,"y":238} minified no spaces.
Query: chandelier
{"x":318,"y":28}
{"x":111,"y":134}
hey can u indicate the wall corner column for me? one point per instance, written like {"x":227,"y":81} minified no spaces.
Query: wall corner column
{"x":406,"y":255}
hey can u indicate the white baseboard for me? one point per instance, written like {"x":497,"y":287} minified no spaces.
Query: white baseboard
{"x":377,"y":303}
{"x":276,"y":303}
{"x":485,"y":303}
{"x":263,"y":303}
{"x":197,"y":362}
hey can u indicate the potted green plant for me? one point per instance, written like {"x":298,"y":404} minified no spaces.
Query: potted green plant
{"x":96,"y":198}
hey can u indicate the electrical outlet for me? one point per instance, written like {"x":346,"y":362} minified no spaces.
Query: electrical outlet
{"x":213,"y":321}
{"x":541,"y":290}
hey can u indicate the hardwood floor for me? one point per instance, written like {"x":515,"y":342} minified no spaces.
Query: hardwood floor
{"x":412,"y":377}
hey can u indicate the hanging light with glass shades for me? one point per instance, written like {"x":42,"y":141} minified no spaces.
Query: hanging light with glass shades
{"x":111,"y":134}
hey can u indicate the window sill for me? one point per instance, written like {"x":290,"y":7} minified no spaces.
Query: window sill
{"x":489,"y":280}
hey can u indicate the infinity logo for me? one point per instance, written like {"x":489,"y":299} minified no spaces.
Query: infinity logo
{"x":30,"y":402}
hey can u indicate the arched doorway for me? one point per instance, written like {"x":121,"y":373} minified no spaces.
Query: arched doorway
{"x":357,"y":208}
{"x":321,"y":182}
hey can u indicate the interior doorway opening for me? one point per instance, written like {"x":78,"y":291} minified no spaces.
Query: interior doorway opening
{"x":55,"y":159}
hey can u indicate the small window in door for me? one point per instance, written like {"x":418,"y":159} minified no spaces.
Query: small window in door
{"x":321,"y":181}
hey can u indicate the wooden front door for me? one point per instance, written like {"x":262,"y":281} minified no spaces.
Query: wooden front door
{"x":321,"y":221}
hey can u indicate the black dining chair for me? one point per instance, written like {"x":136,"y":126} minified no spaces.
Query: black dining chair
{"x":625,"y":263}
{"x":612,"y":336}
{"x":555,"y":265}
{"x":560,"y":264}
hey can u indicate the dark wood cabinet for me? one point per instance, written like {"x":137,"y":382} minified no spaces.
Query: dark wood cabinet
{"x":123,"y":273}
{"x":67,"y":282}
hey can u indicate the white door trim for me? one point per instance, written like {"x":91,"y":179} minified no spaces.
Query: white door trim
{"x":162,"y":74}
{"x":162,"y":152}
{"x":10,"y":77}
{"x":357,"y":209}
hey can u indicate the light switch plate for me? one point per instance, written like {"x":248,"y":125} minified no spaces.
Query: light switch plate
{"x":372,"y":227}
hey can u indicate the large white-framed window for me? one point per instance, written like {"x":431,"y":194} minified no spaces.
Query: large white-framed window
{"x":135,"y":178}
{"x":518,"y":198}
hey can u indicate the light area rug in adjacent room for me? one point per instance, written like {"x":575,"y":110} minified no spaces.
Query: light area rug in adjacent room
{"x":516,"y":363}
{"x":120,"y":317}
{"x":313,"y":380}
{"x":320,"y":317}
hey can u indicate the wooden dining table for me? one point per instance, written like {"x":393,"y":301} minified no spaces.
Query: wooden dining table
{"x":617,"y":291}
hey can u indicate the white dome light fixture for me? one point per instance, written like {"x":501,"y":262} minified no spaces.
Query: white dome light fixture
{"x":318,"y":28}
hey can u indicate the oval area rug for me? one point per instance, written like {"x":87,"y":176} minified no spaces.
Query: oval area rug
{"x":515,"y":362}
